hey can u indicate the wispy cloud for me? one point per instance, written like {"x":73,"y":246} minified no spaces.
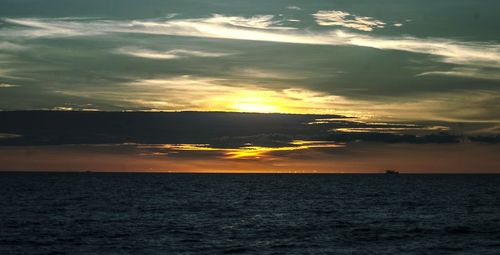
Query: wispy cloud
{"x":10,"y":74}
{"x":264,"y":28}
{"x":241,"y":152}
{"x":7,"y":85}
{"x":256,"y":73}
{"x":473,"y":73}
{"x":52,"y":27}
{"x":448,"y":51}
{"x":345,"y":19}
{"x":8,"y":46}
{"x":294,"y":7}
{"x":453,"y":106}
{"x":170,"y":54}
{"x":211,"y":94}
{"x":259,"y":21}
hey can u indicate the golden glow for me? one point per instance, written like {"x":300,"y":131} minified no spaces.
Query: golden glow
{"x":189,"y":147}
{"x":376,"y":130}
{"x":260,"y":101}
{"x":212,"y":94}
{"x":257,"y":152}
{"x":368,"y":158}
{"x":327,"y":121}
{"x":310,"y":143}
{"x":244,"y":152}
{"x":255,"y":107}
{"x":390,"y":129}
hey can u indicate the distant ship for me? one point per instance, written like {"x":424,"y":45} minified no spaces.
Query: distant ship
{"x":391,"y":172}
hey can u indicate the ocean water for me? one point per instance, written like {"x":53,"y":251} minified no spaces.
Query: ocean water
{"x":49,"y":213}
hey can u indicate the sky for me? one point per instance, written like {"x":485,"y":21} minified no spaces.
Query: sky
{"x":398,"y":67}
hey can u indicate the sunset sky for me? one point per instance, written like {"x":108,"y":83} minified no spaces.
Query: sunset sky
{"x":383,"y":78}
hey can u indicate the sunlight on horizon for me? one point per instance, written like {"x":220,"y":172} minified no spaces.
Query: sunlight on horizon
{"x":244,"y":152}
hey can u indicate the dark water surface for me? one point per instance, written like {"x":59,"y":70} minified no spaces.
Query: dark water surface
{"x":50,"y":213}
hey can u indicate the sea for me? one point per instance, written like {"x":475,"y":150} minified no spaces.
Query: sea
{"x":132,"y":213}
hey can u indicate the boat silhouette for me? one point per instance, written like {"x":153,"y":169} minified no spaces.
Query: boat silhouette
{"x":391,"y":172}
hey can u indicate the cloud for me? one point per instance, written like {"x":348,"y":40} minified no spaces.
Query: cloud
{"x":356,"y":158}
{"x":171,"y":15}
{"x":345,"y":19}
{"x":258,"y":21}
{"x":264,"y":28}
{"x":473,"y":73}
{"x":205,"y":93}
{"x":171,"y":54}
{"x":9,"y":136}
{"x":8,"y":46}
{"x":257,"y":73}
{"x":389,"y":129}
{"x":475,"y":59}
{"x":485,"y":139}
{"x":480,"y":106}
{"x":188,"y":92}
{"x":293,"y":7}
{"x":199,"y":131}
{"x":63,"y":108}
{"x":448,"y":51}
{"x":7,"y":73}
{"x":441,"y":138}
{"x":52,"y":27}
{"x":6,"y":85}
{"x":248,"y":151}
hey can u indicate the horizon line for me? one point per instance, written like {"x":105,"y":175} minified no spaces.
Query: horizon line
{"x":247,"y":172}
{"x":175,"y":111}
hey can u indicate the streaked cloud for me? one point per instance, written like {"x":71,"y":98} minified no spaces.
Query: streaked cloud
{"x":7,"y":85}
{"x":294,"y":7}
{"x":264,"y":28}
{"x":205,"y":93}
{"x":63,"y":108}
{"x":347,"y":20}
{"x":453,"y":106}
{"x":215,"y":94}
{"x":171,"y":15}
{"x":243,"y":152}
{"x":358,"y":158}
{"x":8,"y":73}
{"x":473,"y":73}
{"x":393,"y":130}
{"x":170,"y":54}
{"x":234,"y":91}
{"x":448,"y":51}
{"x":9,"y":136}
{"x":258,"y":73}
{"x":258,"y":21}
{"x":50,"y":27}
{"x":8,"y":46}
